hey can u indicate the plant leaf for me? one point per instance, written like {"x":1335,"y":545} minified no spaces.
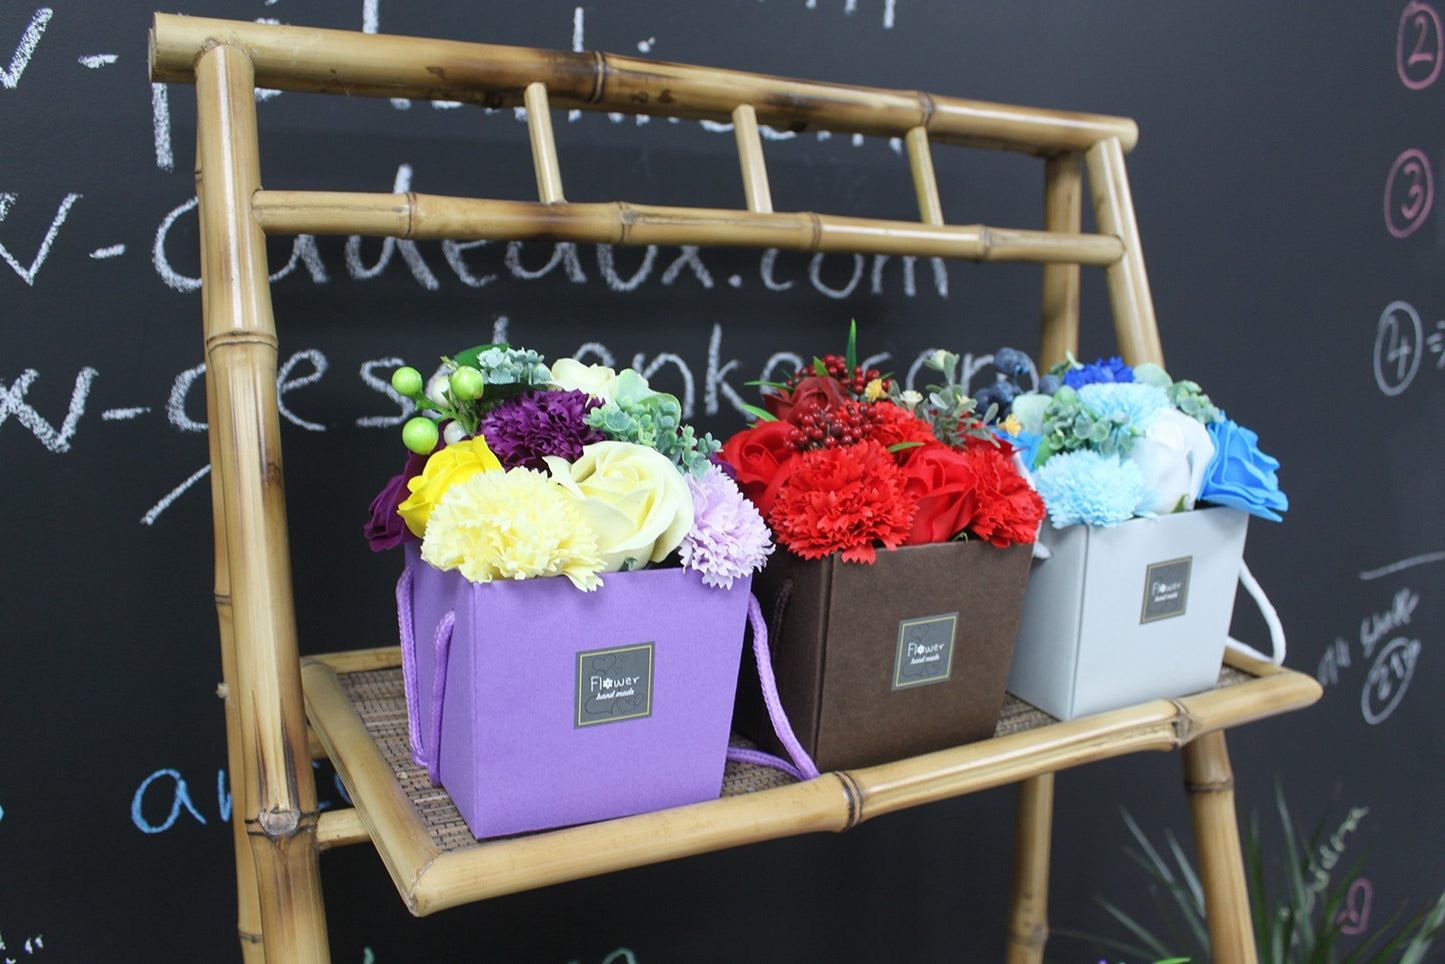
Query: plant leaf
{"x":762,"y":414}
{"x":851,"y":355}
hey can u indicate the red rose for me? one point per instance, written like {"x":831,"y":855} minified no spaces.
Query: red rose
{"x":812,"y":393}
{"x":763,"y":459}
{"x":1008,"y":510}
{"x":943,"y":482}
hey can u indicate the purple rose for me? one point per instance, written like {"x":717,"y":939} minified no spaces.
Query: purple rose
{"x":1240,"y":475}
{"x":385,"y":529}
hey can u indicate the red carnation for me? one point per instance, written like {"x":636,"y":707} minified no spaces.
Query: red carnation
{"x":843,"y":500}
{"x":944,"y":484}
{"x":764,"y":458}
{"x":896,"y":425}
{"x":1007,"y":510}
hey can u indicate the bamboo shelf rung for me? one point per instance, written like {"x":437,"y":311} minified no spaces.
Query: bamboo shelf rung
{"x":491,"y":75}
{"x":435,"y":863}
{"x":424,"y":216}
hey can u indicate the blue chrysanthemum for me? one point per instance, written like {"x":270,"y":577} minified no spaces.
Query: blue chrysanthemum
{"x":1137,"y":402}
{"x":1103,"y":371}
{"x":1085,"y":487}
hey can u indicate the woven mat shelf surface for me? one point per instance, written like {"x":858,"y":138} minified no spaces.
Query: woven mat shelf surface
{"x":378,"y":698}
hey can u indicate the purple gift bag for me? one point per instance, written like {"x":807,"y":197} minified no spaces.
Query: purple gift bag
{"x":538,"y":705}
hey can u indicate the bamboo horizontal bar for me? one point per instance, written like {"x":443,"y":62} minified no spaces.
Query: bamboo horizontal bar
{"x":423,"y":216}
{"x":490,"y":75}
{"x":430,"y":879}
{"x":340,"y":828}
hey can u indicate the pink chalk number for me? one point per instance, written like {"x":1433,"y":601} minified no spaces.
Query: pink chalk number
{"x":1417,"y":48}
{"x":1409,"y":193}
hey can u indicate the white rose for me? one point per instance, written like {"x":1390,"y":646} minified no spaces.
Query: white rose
{"x":635,"y":498}
{"x":599,"y":381}
{"x":1172,"y":456}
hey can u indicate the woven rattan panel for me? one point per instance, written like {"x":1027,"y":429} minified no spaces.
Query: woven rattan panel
{"x":379,"y":699}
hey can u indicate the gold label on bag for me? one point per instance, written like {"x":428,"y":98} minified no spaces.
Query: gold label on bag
{"x":614,"y":684}
{"x":1166,"y":589}
{"x":925,"y":650}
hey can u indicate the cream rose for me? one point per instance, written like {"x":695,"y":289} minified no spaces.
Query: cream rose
{"x":634,"y":497}
{"x":599,"y":381}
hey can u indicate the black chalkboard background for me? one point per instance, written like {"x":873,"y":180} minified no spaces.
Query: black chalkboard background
{"x":1295,"y":247}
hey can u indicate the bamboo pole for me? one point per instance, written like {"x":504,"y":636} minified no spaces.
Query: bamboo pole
{"x":248,"y":916}
{"x":1033,"y":836}
{"x":427,"y":216}
{"x":925,"y":183}
{"x":544,"y":144}
{"x":1134,"y":322}
{"x":381,"y":65}
{"x":277,"y":792}
{"x":1063,"y":212}
{"x":750,"y":155}
{"x":1209,"y":782}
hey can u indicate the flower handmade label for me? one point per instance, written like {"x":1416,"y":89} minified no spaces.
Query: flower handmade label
{"x":614,"y":684}
{"x":925,"y":650}
{"x":1166,"y":589}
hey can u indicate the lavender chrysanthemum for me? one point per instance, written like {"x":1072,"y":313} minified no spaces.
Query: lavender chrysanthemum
{"x":1084,"y":486}
{"x":524,"y":429}
{"x":1136,"y":401}
{"x":1105,"y":370}
{"x":728,"y":539}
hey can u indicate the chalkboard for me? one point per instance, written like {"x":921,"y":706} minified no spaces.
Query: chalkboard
{"x":1286,"y":184}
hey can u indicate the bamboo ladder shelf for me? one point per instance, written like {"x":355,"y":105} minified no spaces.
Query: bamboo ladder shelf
{"x":282,"y":710}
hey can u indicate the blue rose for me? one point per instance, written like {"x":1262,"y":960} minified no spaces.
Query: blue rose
{"x":1104,"y":371}
{"x":1240,"y":475}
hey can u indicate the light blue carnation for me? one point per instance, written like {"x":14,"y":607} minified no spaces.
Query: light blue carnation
{"x":1083,"y":486}
{"x":1136,"y":401}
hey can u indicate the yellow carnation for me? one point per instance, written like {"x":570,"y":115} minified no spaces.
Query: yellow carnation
{"x":444,"y":469}
{"x":517,"y":524}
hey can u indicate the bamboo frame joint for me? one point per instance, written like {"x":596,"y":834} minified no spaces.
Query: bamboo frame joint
{"x":280,"y":822}
{"x":853,"y":797}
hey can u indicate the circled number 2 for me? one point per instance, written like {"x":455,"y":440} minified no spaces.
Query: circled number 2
{"x":1418,"y":46}
{"x":1409,"y":193}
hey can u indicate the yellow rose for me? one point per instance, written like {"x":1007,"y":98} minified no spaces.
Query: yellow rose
{"x":599,"y":381}
{"x":443,"y":470}
{"x":634,"y":497}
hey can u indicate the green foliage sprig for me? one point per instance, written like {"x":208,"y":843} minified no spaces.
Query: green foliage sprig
{"x":639,"y":414}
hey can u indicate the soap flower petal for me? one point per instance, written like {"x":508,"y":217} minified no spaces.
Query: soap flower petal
{"x":446,"y":467}
{"x":1172,"y":457}
{"x":514,"y":524}
{"x":728,"y":539}
{"x":634,"y":497}
{"x":1240,"y":475}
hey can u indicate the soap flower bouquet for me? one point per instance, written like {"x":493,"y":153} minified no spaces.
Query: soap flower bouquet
{"x":1107,"y":442}
{"x":841,"y":459}
{"x":519,"y":469}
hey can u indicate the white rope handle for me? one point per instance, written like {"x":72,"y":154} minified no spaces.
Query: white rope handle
{"x":1271,"y":619}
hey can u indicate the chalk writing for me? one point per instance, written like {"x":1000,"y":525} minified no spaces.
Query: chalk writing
{"x":1418,"y":45}
{"x":12,"y":402}
{"x":28,"y":274}
{"x":1403,"y":564}
{"x":1355,"y":915}
{"x":620,"y":956}
{"x":25,"y":49}
{"x":112,"y":251}
{"x":1398,"y":337}
{"x":1324,"y":859}
{"x":1409,"y":193}
{"x":1388,"y":677}
{"x":97,"y":61}
{"x":151,"y":798}
{"x":32,"y":946}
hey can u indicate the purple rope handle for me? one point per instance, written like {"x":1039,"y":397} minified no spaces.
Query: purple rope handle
{"x":802,"y":767}
{"x":442,"y":645}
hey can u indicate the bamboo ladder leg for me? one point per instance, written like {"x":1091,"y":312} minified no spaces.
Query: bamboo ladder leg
{"x":750,"y":156}
{"x":1209,"y":782}
{"x":544,"y":144}
{"x":277,"y":791}
{"x":248,"y":918}
{"x":1134,"y":323}
{"x":1063,"y":211}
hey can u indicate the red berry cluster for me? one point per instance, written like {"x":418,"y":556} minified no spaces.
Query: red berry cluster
{"x":854,"y":381}
{"x":827,"y":428}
